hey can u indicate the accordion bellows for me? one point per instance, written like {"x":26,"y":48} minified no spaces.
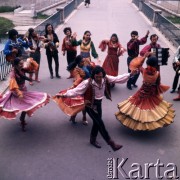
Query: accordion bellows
{"x":136,"y":63}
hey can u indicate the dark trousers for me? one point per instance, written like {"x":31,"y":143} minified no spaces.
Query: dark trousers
{"x":71,"y":55}
{"x":87,"y":1}
{"x":98,"y":124}
{"x":133,"y":79}
{"x":175,"y":82}
{"x":54,"y":56}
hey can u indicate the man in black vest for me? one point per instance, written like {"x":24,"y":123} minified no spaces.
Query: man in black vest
{"x":94,"y":90}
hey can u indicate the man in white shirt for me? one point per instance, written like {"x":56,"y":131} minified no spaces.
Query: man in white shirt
{"x":94,"y":89}
{"x":176,"y":66}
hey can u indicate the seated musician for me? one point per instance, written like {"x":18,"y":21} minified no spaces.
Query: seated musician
{"x":14,"y":45}
{"x":176,"y":66}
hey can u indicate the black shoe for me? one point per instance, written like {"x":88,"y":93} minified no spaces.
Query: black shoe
{"x":51,"y":76}
{"x":114,"y":146}
{"x":58,"y":76}
{"x":112,"y":85}
{"x":172,"y":91}
{"x":95,"y":143}
{"x":134,"y":85}
{"x":129,"y":87}
{"x":72,"y":119}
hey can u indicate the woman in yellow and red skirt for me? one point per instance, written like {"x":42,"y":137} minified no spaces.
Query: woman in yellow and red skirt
{"x":147,"y":110}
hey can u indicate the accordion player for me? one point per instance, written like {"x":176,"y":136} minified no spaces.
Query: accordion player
{"x":162,"y":55}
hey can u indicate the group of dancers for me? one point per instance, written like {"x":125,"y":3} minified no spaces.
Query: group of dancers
{"x":146,"y":110}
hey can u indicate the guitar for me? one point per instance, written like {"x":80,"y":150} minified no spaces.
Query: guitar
{"x":51,"y":44}
{"x":10,"y":57}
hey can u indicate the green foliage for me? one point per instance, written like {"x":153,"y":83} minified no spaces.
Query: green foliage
{"x":175,"y":20}
{"x":5,"y":25}
{"x":41,"y":16}
{"x":7,"y":9}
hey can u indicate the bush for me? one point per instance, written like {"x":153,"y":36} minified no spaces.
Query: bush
{"x":41,"y":16}
{"x":5,"y":25}
{"x":175,"y":20}
{"x":7,"y":9}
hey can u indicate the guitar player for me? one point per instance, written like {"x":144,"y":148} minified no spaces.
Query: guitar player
{"x":13,"y":46}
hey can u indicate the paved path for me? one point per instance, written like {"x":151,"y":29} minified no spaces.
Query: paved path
{"x":53,"y":148}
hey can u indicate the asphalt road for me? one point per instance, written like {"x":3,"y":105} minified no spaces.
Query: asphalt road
{"x":54,"y":149}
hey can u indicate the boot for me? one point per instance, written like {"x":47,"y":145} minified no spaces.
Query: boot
{"x":85,"y":122}
{"x":30,"y":77}
{"x":94,"y":142}
{"x":177,"y":99}
{"x":114,"y":146}
{"x":23,"y":125}
{"x":70,"y":76}
{"x":22,"y":120}
{"x":36,"y":76}
{"x":72,"y":119}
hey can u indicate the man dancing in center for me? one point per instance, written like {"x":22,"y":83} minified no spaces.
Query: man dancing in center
{"x":94,"y":90}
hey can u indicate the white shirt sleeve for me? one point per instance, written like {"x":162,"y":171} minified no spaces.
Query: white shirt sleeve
{"x":79,"y":90}
{"x":118,"y":79}
{"x":176,"y":56}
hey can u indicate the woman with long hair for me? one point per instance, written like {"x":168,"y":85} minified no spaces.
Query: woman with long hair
{"x":146,"y":110}
{"x":115,"y":49}
{"x":18,"y":99}
{"x":35,"y":44}
{"x":87,"y":47}
{"x":51,"y":50}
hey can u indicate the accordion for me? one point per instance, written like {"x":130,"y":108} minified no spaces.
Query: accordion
{"x":162,"y":55}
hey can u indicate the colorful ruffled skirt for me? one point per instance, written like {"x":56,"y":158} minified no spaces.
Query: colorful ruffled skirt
{"x":146,"y":110}
{"x":69,"y":105}
{"x":11,"y":104}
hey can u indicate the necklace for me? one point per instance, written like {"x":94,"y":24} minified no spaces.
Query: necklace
{"x":113,"y":44}
{"x":85,"y":43}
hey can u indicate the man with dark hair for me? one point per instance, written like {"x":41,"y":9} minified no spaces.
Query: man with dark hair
{"x":14,"y":46}
{"x":133,"y":52}
{"x":153,"y":44}
{"x":94,"y":89}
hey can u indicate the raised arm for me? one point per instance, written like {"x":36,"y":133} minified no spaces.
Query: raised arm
{"x":103,"y":45}
{"x":118,"y":79}
{"x":79,"y":90}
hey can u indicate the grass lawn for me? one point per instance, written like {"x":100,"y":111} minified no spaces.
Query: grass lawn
{"x":5,"y":25}
{"x":7,"y":9}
